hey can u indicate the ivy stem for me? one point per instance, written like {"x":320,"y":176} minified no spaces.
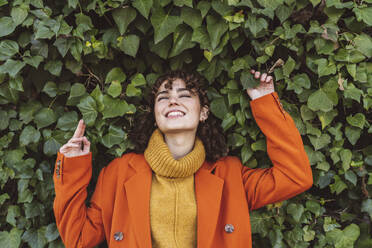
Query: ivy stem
{"x":51,"y":103}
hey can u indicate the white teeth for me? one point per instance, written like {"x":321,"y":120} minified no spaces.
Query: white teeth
{"x":175,"y":113}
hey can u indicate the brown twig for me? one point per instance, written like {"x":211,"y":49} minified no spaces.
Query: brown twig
{"x":279,"y":62}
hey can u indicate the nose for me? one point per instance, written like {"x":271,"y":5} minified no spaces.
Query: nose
{"x":173,"y":100}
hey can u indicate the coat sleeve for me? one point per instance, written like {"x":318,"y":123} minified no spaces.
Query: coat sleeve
{"x":291,"y":172}
{"x":78,"y":225}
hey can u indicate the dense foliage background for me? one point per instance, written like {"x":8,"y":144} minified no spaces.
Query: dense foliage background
{"x":63,"y":60}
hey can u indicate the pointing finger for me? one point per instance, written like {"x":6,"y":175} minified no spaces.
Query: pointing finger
{"x":263,"y":77}
{"x":257,"y":74}
{"x":269,"y":79}
{"x":79,"y":129}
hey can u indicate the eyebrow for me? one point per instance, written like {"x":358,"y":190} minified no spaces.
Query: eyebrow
{"x":178,"y":90}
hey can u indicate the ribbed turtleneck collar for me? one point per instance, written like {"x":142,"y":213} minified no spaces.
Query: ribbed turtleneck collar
{"x":161,"y":161}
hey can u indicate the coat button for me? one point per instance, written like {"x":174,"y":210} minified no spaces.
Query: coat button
{"x":58,"y":168}
{"x":118,"y":236}
{"x":229,"y":228}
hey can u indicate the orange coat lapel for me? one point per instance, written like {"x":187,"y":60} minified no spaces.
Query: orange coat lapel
{"x":208,"y":191}
{"x":138,"y":189}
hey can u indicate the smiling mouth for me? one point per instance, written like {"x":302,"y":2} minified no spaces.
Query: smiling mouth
{"x":174,"y":114}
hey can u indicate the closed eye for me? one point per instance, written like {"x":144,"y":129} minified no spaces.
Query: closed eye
{"x":185,"y":96}
{"x":162,"y":98}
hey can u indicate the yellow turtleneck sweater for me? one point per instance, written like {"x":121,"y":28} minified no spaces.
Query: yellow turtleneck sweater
{"x":173,"y":213}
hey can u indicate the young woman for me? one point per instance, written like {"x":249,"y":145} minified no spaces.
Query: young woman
{"x":180,"y":190}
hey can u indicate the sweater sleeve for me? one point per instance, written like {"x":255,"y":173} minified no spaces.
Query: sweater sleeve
{"x":78,"y":225}
{"x":291,"y":172}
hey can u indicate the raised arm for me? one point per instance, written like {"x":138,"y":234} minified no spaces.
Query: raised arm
{"x":291,"y":173}
{"x":78,"y":225}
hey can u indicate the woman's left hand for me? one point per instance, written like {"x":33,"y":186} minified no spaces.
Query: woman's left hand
{"x":265,"y":87}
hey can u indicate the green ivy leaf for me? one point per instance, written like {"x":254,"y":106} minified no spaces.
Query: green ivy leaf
{"x":35,"y":238}
{"x":363,"y":43}
{"x":306,"y":113}
{"x":320,"y":142}
{"x":228,"y":121}
{"x":325,"y":68}
{"x":270,"y":4}
{"x":255,"y":25}
{"x":63,"y":45}
{"x":29,"y":135}
{"x":45,"y":117}
{"x":216,"y":27}
{"x":115,"y":89}
{"x":116,"y":107}
{"x":138,"y":80}
{"x":338,"y":186}
{"x":12,"y":67}
{"x":367,"y":207}
{"x":299,"y":82}
{"x":54,"y":67}
{"x":181,"y":40}
{"x":219,"y":108}
{"x":53,"y":143}
{"x":344,"y":238}
{"x":191,"y":17}
{"x":132,"y":90}
{"x":7,"y":26}
{"x":326,"y":118}
{"x":27,"y":111}
{"x":248,"y":80}
{"x":296,"y":210}
{"x":283,"y":12}
{"x":259,"y":145}
{"x":51,"y":232}
{"x":123,"y":17}
{"x":319,"y":101}
{"x":349,"y":56}
{"x":114,"y":136}
{"x":181,"y":3}
{"x":357,"y":120}
{"x":164,"y":24}
{"x":289,"y":66}
{"x":68,"y":121}
{"x":353,"y":93}
{"x":98,"y":97}
{"x":4,"y":120}
{"x":115,"y":74}
{"x":13,"y":213}
{"x":345,"y":155}
{"x":11,"y":239}
{"x":200,"y":35}
{"x":76,"y":93}
{"x":19,"y":14}
{"x":50,"y":88}
{"x":88,"y":108}
{"x":351,"y":177}
{"x":143,"y":6}
{"x":33,"y":61}
{"x":130,"y":44}
{"x":364,"y":14}
{"x":43,"y":32}
{"x":7,"y":49}
{"x":352,"y":134}
{"x":246,"y":153}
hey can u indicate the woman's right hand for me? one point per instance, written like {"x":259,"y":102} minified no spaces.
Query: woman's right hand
{"x":78,"y":145}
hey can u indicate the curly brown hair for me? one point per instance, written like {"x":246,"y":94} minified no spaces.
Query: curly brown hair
{"x":209,"y":131}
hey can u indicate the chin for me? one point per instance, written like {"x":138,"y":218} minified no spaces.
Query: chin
{"x":177,"y":129}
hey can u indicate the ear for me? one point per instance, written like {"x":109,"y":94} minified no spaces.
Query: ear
{"x":204,"y":112}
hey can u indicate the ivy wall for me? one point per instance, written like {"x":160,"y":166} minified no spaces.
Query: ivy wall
{"x":63,"y":60}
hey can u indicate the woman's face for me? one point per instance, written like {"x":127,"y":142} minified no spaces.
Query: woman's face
{"x":178,"y":109}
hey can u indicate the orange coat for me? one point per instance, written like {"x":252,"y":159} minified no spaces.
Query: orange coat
{"x":225,"y":191}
